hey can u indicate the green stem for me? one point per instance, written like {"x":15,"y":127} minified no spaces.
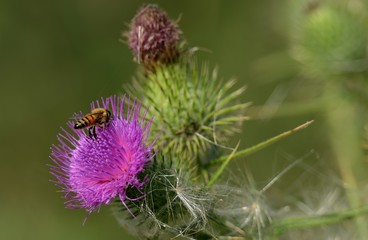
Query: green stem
{"x":345,"y":125}
{"x":281,"y":226}
{"x":261,"y":145}
{"x":222,"y":167}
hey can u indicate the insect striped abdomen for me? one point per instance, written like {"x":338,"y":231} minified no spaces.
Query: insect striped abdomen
{"x":88,"y":120}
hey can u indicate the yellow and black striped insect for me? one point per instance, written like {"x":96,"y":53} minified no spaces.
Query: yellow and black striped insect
{"x":98,"y":117}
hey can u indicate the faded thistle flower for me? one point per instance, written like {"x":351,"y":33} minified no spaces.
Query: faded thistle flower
{"x":320,"y":194}
{"x":172,"y":203}
{"x":246,"y":209}
{"x":92,"y":172}
{"x":153,"y":37}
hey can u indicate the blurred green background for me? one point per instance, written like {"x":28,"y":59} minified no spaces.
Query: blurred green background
{"x":58,"y":56}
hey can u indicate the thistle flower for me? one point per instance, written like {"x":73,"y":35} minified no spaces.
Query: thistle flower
{"x":246,"y":210}
{"x":153,"y":37}
{"x":193,"y":110}
{"x":94,"y":172}
{"x":326,"y":199}
{"x":331,"y":39}
{"x":173,"y":206}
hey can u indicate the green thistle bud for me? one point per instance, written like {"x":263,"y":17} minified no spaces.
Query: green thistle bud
{"x":193,"y":110}
{"x":330,"y":40}
{"x":153,"y":37}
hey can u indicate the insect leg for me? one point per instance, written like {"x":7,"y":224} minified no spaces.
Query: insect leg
{"x":94,"y":132}
{"x":90,"y":132}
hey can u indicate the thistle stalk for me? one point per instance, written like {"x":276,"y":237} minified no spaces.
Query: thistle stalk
{"x":280,"y":226}
{"x":345,"y":131}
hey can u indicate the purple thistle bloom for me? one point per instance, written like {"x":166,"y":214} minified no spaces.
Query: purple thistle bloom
{"x":93,"y":172}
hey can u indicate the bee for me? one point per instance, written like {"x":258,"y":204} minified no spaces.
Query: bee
{"x":98,"y":117}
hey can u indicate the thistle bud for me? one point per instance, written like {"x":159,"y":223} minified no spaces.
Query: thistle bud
{"x":193,"y":110}
{"x":331,"y":39}
{"x":153,"y":37}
